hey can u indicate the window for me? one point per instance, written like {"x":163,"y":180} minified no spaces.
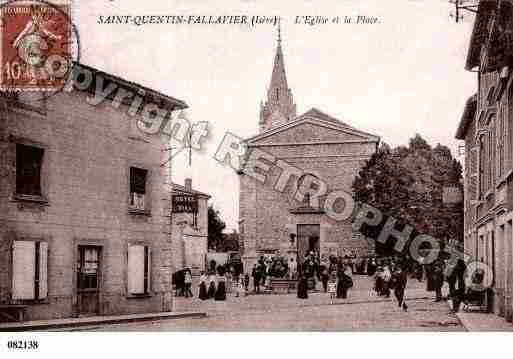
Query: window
{"x":28,"y":170}
{"x":482,"y":159}
{"x":195,"y":219}
{"x":137,"y":188}
{"x":29,"y":270}
{"x":501,"y":134}
{"x":88,"y":267}
{"x":510,"y":129}
{"x":139,"y":269}
{"x":491,"y":154}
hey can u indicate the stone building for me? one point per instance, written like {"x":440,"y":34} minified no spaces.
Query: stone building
{"x":487,"y":129}
{"x":190,"y":230}
{"x":84,"y":203}
{"x":272,"y":222}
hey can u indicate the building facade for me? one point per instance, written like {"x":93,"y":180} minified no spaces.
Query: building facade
{"x":487,"y":129}
{"x":84,"y":203}
{"x":271,"y":221}
{"x":190,"y":230}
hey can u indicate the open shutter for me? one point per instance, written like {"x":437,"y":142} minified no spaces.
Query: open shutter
{"x":136,"y":259}
{"x":23,"y":269}
{"x":43,"y":270}
{"x":473,"y":185}
{"x":147,"y":252}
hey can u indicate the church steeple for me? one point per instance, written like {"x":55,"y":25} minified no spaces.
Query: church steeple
{"x":279,"y":107}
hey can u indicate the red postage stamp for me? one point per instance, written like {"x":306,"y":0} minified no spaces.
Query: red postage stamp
{"x":36,"y":45}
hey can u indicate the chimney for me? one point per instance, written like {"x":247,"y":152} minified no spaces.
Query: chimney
{"x":188,"y":184}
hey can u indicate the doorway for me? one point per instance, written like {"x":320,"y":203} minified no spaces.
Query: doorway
{"x":88,"y":280}
{"x":308,"y":240}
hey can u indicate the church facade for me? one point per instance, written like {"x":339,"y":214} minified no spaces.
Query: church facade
{"x":272,"y":222}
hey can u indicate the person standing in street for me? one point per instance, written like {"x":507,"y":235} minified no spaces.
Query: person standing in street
{"x":221,"y":286}
{"x":387,"y":276}
{"x":332,"y":287}
{"x":398,"y":283}
{"x":203,"y":287}
{"x":302,"y":286}
{"x":246,"y":282}
{"x":256,"y":279}
{"x":239,"y":291}
{"x":347,"y":281}
{"x":437,"y":278}
{"x":188,"y":283}
{"x":212,"y":285}
{"x":340,"y":278}
{"x":324,"y":278}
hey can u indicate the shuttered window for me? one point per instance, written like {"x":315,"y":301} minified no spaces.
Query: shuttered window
{"x":482,"y":159}
{"x":29,"y":270}
{"x":501,"y":137}
{"x":139,"y":269}
{"x":472,"y":185}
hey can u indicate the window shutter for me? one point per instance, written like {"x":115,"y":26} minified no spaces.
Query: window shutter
{"x":147,"y":252}
{"x":136,"y":259}
{"x":474,"y":172}
{"x":43,"y":270}
{"x":23,"y":269}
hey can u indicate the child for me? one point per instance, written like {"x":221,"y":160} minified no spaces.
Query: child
{"x":240,"y":288}
{"x":332,"y":287}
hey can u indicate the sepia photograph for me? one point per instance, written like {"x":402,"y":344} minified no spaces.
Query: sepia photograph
{"x":252,"y":166}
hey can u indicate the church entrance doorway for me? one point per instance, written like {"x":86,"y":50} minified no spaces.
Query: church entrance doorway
{"x":308,"y":240}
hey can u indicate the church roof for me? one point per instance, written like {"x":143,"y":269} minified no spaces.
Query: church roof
{"x":318,"y":117}
{"x":323,"y":116}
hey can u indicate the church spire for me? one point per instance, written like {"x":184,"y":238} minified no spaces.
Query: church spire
{"x":279,"y":107}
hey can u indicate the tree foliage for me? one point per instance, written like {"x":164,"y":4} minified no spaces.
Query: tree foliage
{"x":408,"y":182}
{"x":216,"y":227}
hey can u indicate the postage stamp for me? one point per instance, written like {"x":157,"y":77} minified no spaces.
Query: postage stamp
{"x":36,"y":45}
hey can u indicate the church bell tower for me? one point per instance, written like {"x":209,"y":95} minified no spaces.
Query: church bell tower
{"x":279,"y":107}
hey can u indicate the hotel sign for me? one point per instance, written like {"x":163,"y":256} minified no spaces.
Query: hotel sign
{"x":185,"y":203}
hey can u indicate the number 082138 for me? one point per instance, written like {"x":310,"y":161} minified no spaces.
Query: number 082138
{"x":23,"y":344}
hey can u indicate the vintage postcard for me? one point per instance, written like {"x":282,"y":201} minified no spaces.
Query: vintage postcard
{"x":255,"y":166}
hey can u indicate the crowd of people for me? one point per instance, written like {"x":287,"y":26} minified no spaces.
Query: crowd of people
{"x":212,"y":286}
{"x":390,"y":275}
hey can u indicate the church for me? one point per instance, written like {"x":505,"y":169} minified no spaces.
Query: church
{"x":274,"y":223}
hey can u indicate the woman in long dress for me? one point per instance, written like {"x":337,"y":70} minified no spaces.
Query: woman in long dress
{"x":340,"y":279}
{"x":346,"y":281}
{"x":212,"y":286}
{"x":302,"y":287}
{"x":387,"y":275}
{"x":221,"y":288}
{"x":203,"y":287}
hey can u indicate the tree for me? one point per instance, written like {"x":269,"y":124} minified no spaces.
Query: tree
{"x":216,"y":227}
{"x":408,"y":183}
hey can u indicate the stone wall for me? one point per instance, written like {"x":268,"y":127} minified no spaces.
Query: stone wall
{"x":267,"y":221}
{"x":88,"y":152}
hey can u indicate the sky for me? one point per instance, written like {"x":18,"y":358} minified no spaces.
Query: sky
{"x":400,"y":76}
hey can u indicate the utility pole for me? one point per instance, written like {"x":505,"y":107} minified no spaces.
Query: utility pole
{"x":467,"y":5}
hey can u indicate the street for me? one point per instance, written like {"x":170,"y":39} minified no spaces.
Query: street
{"x":285,"y":312}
